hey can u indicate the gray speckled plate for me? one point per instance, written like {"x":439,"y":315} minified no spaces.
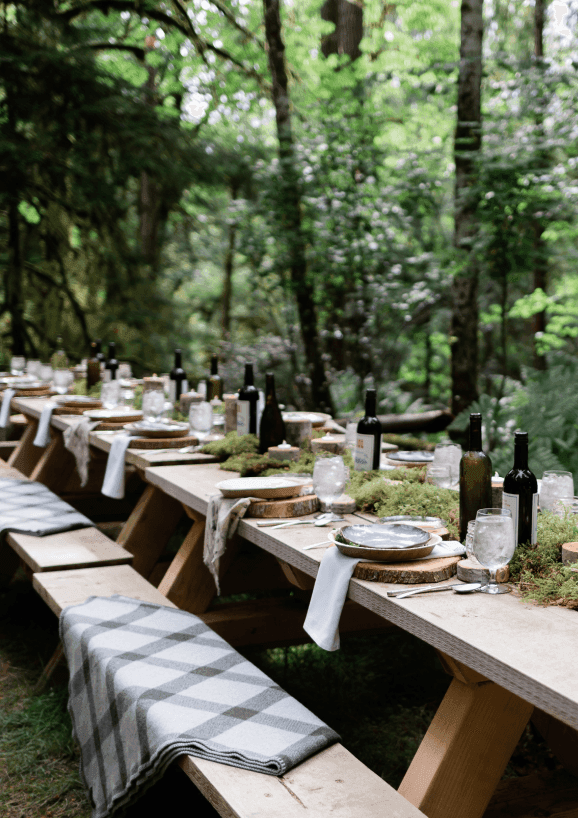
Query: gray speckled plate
{"x":426,"y":523}
{"x":389,"y":554}
{"x":411,"y":457}
{"x":391,"y":537}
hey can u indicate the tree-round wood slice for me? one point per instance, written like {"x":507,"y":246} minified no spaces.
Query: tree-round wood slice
{"x":469,"y":571}
{"x":163,"y":442}
{"x":569,"y":552}
{"x":293,"y":507}
{"x":408,"y":573}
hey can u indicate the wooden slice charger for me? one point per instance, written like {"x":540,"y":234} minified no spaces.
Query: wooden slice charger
{"x":163,"y":442}
{"x":293,"y":507}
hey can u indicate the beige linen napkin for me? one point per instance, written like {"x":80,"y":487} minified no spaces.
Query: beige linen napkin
{"x":223,"y":517}
{"x":76,"y":441}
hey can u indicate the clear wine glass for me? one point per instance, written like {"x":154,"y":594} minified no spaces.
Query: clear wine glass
{"x":110,"y":394}
{"x":201,"y":419}
{"x":153,"y":403}
{"x":329,"y":479}
{"x":494,"y":544}
{"x":449,"y":454}
{"x":62,"y":379}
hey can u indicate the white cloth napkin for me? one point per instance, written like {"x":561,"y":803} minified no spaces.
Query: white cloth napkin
{"x":76,"y":441}
{"x":223,"y":515}
{"x":42,"y":438}
{"x":113,"y":483}
{"x":7,"y":396}
{"x":330,"y":591}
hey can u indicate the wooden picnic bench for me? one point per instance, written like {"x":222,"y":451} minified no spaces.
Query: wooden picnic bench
{"x":331,"y":783}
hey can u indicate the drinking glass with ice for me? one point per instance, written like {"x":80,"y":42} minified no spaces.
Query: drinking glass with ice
{"x":556,"y":484}
{"x":494,"y":544}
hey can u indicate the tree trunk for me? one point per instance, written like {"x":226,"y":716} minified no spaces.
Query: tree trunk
{"x":348,"y":20}
{"x":540,"y":257}
{"x":291,"y":216}
{"x":150,"y":194}
{"x":464,"y":323}
{"x":228,"y":279}
{"x":13,"y":277}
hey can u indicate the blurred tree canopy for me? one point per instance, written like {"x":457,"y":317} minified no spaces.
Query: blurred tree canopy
{"x":147,"y":194}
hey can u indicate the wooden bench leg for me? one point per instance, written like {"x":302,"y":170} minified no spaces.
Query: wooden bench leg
{"x":465,"y":751}
{"x":149,"y":528}
{"x":26,"y":456}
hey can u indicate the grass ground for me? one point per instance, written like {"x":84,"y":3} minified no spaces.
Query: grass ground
{"x":378,"y":692}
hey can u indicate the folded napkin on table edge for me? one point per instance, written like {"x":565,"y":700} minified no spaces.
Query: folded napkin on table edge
{"x":330,"y":591}
{"x":42,"y":438}
{"x":76,"y":441}
{"x":223,"y":515}
{"x":7,"y":396}
{"x":113,"y":483}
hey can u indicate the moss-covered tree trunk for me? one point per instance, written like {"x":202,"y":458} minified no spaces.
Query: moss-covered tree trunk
{"x":464,"y":324}
{"x":291,"y":216}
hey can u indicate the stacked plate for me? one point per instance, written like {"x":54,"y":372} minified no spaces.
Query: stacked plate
{"x":389,"y":542}
{"x":267,"y":488}
{"x":118,"y":415}
{"x":78,"y":402}
{"x":158,"y":429}
{"x":316,"y":418}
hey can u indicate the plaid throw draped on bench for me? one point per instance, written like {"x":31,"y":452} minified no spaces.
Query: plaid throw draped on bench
{"x":27,"y":507}
{"x":149,"y":683}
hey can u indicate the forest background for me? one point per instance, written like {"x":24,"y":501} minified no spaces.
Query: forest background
{"x":346,"y":193}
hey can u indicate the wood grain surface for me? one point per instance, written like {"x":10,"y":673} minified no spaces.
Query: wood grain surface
{"x":294,"y":507}
{"x":408,"y":573}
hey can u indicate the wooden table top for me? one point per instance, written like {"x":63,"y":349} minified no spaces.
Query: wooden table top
{"x":527,"y":649}
{"x":140,"y":458}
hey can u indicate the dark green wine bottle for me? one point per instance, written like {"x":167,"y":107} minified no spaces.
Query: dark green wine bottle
{"x":521,"y":493}
{"x":475,"y":477}
{"x":272,"y":429}
{"x":368,"y":437}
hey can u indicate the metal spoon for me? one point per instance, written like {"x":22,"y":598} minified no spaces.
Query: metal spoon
{"x":317,"y":523}
{"x":461,"y":588}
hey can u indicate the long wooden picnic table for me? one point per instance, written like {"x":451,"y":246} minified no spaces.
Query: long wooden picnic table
{"x":506,"y":657}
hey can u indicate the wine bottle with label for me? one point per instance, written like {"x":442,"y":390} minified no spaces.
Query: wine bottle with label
{"x":475,"y":477}
{"x":92,"y":367}
{"x":214,"y":382}
{"x":111,"y":364}
{"x":272,"y":429}
{"x":520,"y":494}
{"x":178,"y":379}
{"x":367,"y":452}
{"x":247,"y":405}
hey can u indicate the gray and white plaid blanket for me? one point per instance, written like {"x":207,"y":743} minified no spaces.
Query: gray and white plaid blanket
{"x":30,"y":508}
{"x":150,"y":683}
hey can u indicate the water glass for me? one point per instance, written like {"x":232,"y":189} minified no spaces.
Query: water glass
{"x":201,"y":419}
{"x":449,"y":454}
{"x":470,"y":541}
{"x":440,"y":476}
{"x":555,"y":485}
{"x":33,"y":368}
{"x":17,"y":364}
{"x":565,"y":505}
{"x":329,"y":479}
{"x":45,"y":373}
{"x":350,"y":434}
{"x":153,"y":403}
{"x":62,"y":379}
{"x":110,"y":394}
{"x":123,"y":371}
{"x":494,"y":544}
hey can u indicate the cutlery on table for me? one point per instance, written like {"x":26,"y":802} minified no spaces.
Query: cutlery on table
{"x":318,"y":545}
{"x":460,"y":588}
{"x":320,"y":521}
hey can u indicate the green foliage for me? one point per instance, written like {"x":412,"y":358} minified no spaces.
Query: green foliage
{"x":232,"y":445}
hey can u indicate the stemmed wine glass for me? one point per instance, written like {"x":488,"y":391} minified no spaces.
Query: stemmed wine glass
{"x":494,"y":544}
{"x":329,"y":479}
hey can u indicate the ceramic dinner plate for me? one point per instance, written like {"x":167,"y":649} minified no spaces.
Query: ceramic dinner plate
{"x":146,"y":428}
{"x":78,"y":400}
{"x":113,"y":415}
{"x":411,"y":457}
{"x":278,"y":487}
{"x":425,"y":523}
{"x":390,"y":536}
{"x":390,"y":554}
{"x":316,"y":418}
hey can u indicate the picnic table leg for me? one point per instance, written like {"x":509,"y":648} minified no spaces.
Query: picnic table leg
{"x":188,"y":583}
{"x":55,"y":465}
{"x":26,"y":456}
{"x":149,"y":528}
{"x":466,"y":749}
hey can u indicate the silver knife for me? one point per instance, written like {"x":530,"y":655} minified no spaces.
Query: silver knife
{"x":425,"y":589}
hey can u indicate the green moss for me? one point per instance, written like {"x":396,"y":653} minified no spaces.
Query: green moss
{"x":409,"y":444}
{"x":537,"y":570}
{"x":232,"y":445}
